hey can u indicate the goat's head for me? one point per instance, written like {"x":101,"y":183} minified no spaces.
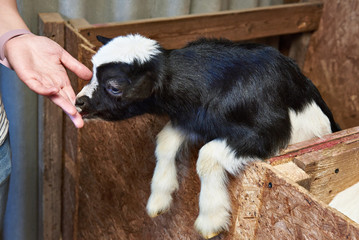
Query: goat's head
{"x":124,"y":73}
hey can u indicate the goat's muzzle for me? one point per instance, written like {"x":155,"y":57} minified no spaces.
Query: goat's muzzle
{"x":82,"y":103}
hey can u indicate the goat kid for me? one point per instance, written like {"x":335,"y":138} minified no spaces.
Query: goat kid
{"x":244,"y":102}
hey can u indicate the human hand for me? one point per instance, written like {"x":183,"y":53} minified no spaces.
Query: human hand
{"x":40,"y":63}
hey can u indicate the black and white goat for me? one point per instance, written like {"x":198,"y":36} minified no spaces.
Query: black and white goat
{"x":244,"y":102}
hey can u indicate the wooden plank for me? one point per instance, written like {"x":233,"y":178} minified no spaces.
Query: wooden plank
{"x":290,"y":212}
{"x":85,"y":54}
{"x":332,"y":60}
{"x":73,"y":40}
{"x":299,"y":47}
{"x":71,"y":148}
{"x":332,"y":169}
{"x":327,"y":141}
{"x":235,"y":25}
{"x":246,"y":195}
{"x":296,"y":174}
{"x":78,"y":23}
{"x":50,"y":144}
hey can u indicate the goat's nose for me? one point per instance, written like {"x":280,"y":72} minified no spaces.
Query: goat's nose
{"x":82,"y":102}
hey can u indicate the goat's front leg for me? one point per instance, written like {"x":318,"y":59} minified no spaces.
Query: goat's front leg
{"x":215,"y":158}
{"x":164,"y":181}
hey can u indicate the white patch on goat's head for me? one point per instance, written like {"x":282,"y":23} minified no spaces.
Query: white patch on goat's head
{"x":126,"y":49}
{"x":89,"y":89}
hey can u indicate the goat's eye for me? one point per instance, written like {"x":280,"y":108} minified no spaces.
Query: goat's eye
{"x":113,"y":90}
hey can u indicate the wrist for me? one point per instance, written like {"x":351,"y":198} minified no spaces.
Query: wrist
{"x":5,"y":38}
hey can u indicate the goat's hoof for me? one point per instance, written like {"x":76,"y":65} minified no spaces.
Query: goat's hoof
{"x":156,"y":214}
{"x":212,"y":225}
{"x":211,"y":235}
{"x":158,"y":204}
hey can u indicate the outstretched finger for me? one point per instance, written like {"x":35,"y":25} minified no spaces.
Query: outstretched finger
{"x":75,"y":66}
{"x":64,"y":103}
{"x":69,"y":109}
{"x":70,"y":92}
{"x":77,"y":120}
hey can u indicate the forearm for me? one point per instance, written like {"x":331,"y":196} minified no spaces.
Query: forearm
{"x":10,"y":18}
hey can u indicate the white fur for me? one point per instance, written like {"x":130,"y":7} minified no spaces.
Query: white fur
{"x":309,"y":123}
{"x":347,"y":202}
{"x":89,"y":89}
{"x":126,"y":49}
{"x":215,"y":158}
{"x":164,"y":181}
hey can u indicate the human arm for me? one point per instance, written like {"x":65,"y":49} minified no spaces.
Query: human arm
{"x":40,"y":62}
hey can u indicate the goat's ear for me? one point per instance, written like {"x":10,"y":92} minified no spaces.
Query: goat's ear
{"x":141,"y":88}
{"x":103,"y":39}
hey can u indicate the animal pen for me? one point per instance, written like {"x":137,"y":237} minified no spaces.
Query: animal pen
{"x":95,"y":181}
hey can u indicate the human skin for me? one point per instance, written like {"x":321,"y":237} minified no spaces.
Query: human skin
{"x":41,"y":63}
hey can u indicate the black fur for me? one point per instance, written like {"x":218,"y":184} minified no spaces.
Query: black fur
{"x":215,"y":89}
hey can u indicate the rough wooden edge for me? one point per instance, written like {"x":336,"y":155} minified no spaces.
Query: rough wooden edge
{"x":85,"y":54}
{"x":312,"y":145}
{"x":50,"y":144}
{"x":332,"y":169}
{"x":75,"y":25}
{"x":296,"y":174}
{"x":235,"y":25}
{"x":319,"y":222}
{"x":73,"y":39}
{"x":269,"y":205}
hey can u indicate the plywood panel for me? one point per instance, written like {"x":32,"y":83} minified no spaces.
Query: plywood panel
{"x":332,"y":169}
{"x":333,"y":59}
{"x":291,"y":213}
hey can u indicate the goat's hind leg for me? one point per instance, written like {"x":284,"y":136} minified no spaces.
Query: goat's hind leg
{"x":164,"y":180}
{"x":215,"y":158}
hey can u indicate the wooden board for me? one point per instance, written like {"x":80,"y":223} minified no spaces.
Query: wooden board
{"x":316,"y":144}
{"x":331,"y":161}
{"x":291,"y":171}
{"x":288,"y":212}
{"x":235,"y":25}
{"x":50,"y":144}
{"x":332,"y":169}
{"x":332,"y":60}
{"x":70,"y":143}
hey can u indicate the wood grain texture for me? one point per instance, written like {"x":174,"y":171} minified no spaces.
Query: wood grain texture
{"x":235,"y":25}
{"x":291,"y":171}
{"x":51,"y":25}
{"x":291,"y":213}
{"x":332,"y":169}
{"x":70,"y":145}
{"x":85,"y":53}
{"x":316,"y":144}
{"x":266,"y":205}
{"x":333,"y":58}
